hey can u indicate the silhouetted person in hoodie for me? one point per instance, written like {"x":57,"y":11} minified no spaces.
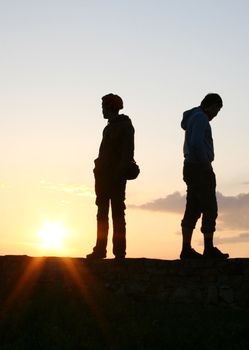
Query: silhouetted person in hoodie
{"x":200,"y":178}
{"x":116,"y":151}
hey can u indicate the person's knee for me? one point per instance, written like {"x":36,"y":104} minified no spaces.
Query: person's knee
{"x":209,"y":222}
{"x":103,"y":211}
{"x":118,"y":208}
{"x":190,"y":219}
{"x":102,"y":216}
{"x":187,"y":225}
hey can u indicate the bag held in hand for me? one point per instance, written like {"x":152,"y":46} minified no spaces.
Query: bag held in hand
{"x":132,"y":170}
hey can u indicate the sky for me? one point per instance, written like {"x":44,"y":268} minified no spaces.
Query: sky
{"x":58,"y":58}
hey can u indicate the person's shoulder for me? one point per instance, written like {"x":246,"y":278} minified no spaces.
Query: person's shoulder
{"x":125,"y":120}
{"x":200,"y":116}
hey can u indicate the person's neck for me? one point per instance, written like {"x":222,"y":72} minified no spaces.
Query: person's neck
{"x":207,"y":114}
{"x":112,"y":116}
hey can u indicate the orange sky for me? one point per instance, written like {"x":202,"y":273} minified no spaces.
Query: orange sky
{"x":59,"y":58}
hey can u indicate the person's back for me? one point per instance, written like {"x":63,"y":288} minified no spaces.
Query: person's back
{"x":198,"y":143}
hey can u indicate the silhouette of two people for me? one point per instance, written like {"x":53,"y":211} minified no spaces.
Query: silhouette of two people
{"x":111,"y":173}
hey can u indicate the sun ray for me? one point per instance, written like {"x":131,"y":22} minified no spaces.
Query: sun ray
{"x":25,"y":284}
{"x":87,"y":286}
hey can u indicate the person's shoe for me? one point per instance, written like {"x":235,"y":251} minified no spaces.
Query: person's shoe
{"x":189,"y":253}
{"x":119,"y":258}
{"x":214,"y":253}
{"x":95,"y":256}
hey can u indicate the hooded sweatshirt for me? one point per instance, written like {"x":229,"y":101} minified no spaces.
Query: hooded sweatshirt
{"x":117,"y":145}
{"x":198,"y":145}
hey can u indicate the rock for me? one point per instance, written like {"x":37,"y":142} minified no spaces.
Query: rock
{"x":212,"y":295}
{"x":226,"y":294}
{"x":189,"y":282}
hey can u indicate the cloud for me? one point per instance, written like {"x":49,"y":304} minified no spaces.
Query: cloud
{"x":240,"y":238}
{"x":173,"y":203}
{"x":233,"y":210}
{"x":74,"y":189}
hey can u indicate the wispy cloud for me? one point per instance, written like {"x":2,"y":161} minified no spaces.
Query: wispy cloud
{"x":71,"y":188}
{"x":173,"y":203}
{"x":233,"y":210}
{"x":240,"y":238}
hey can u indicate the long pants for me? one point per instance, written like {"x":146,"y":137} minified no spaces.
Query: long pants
{"x":201,"y":197}
{"x":110,"y":191}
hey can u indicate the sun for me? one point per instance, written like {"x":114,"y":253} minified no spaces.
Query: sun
{"x":52,"y":235}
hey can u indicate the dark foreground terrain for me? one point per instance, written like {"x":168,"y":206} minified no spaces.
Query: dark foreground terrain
{"x":56,"y":303}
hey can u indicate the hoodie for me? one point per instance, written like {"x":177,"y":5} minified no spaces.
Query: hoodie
{"x":198,"y":144}
{"x":117,"y":145}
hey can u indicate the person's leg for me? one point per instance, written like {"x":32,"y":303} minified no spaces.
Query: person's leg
{"x":191,"y":214}
{"x":102,"y":202}
{"x":118,"y":217}
{"x":208,"y":240}
{"x":102,"y":228}
{"x":209,"y":216}
{"x":189,"y":220}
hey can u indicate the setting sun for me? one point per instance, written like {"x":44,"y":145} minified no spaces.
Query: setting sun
{"x":52,"y":235}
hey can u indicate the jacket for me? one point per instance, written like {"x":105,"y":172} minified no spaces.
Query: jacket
{"x":198,"y":144}
{"x":117,"y":146}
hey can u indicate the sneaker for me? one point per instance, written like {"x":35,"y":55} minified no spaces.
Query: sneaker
{"x":95,"y":256}
{"x":214,"y":253}
{"x":190,"y":254}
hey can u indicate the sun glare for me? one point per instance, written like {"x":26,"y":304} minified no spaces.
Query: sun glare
{"x":52,"y":235}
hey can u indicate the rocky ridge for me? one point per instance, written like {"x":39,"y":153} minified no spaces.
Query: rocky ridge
{"x":202,"y":282}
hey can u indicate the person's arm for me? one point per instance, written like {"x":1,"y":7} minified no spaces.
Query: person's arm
{"x":197,"y":140}
{"x":127,"y":149}
{"x":128,"y":144}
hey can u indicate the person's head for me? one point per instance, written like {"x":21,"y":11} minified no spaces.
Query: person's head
{"x":111,"y":105}
{"x":211,"y":105}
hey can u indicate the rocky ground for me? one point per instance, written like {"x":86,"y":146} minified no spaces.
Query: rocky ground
{"x":57,"y":303}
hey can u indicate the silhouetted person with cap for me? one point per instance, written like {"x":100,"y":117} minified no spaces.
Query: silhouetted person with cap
{"x":200,"y":178}
{"x":116,"y":151}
